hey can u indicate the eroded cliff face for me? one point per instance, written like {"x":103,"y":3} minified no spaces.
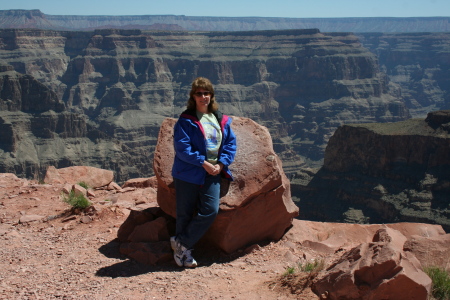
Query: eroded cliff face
{"x":418,"y":64}
{"x":382,"y":173}
{"x":36,"y":131}
{"x":301,"y":84}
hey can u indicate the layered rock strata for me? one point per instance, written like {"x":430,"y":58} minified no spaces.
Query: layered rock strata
{"x":417,"y":64}
{"x":382,"y":173}
{"x":300,"y":84}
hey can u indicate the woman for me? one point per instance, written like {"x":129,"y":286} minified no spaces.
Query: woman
{"x":205,"y":146}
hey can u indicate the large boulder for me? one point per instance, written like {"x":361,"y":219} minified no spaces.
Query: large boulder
{"x":144,"y":236}
{"x":376,"y":270}
{"x":94,"y":177}
{"x":256,"y":206}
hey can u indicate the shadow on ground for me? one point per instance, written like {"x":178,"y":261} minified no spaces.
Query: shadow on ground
{"x":205,"y":254}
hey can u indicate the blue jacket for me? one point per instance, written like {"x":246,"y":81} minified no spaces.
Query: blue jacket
{"x":190,"y":147}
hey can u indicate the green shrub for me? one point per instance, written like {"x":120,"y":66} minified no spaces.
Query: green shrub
{"x":300,"y":278}
{"x":441,"y":282}
{"x":309,"y":267}
{"x":76,"y":201}
{"x":316,"y":266}
{"x":83,"y":184}
{"x":289,"y":271}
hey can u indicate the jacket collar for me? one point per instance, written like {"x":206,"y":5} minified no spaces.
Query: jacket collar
{"x":192,"y":114}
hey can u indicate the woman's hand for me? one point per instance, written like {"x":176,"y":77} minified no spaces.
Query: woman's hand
{"x":212,"y":169}
{"x":219,"y":166}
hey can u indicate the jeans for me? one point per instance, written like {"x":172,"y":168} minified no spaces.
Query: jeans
{"x":197,"y":208}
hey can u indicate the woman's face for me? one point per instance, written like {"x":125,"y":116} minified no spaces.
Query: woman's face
{"x":202,"y":99}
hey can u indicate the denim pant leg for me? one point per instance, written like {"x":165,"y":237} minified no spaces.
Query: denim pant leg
{"x":197,"y":208}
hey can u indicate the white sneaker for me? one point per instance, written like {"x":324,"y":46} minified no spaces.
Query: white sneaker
{"x":189,"y":261}
{"x":173,"y":242}
{"x":182,"y":255}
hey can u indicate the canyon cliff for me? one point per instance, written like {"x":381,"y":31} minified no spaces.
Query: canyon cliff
{"x":381,"y":173}
{"x":418,"y":67}
{"x":117,"y":86}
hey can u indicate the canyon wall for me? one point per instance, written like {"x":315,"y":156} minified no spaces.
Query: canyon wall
{"x":120,"y":84}
{"x":381,"y":173}
{"x":418,"y":66}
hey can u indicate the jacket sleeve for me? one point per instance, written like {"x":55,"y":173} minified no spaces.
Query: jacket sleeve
{"x":228,"y":146}
{"x":185,"y":149}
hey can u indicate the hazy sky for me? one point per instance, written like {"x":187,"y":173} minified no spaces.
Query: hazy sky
{"x":240,"y":8}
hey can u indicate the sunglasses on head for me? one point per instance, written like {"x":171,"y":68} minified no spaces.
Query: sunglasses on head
{"x":199,"y":94}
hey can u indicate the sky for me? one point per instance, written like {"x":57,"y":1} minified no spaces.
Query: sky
{"x":240,"y":8}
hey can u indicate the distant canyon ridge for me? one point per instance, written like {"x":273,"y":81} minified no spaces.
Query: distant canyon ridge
{"x":39,"y":20}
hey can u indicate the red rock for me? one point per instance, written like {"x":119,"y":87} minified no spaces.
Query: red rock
{"x":152,"y":231}
{"x":144,"y":236}
{"x":137,"y":218}
{"x":67,"y":188}
{"x":30,"y":218}
{"x":330,"y":237}
{"x":92,"y":176}
{"x":257,"y":205}
{"x":148,"y":253}
{"x":8,"y":176}
{"x":130,"y":198}
{"x":90,"y":193}
{"x":127,"y":189}
{"x":85,"y":219}
{"x":376,"y":270}
{"x":431,"y":251}
{"x":79,"y":190}
{"x":114,"y":186}
{"x":141,"y":183}
{"x":69,"y":218}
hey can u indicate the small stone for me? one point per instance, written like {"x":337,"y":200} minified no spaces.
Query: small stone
{"x":85,"y":219}
{"x":114,"y":186}
{"x":30,"y":218}
{"x":90,"y":193}
{"x":79,"y":190}
{"x":67,"y":188}
{"x":69,"y":218}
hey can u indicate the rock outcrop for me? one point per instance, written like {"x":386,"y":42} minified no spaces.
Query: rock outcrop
{"x":144,"y":236}
{"x":382,"y":173}
{"x":93,"y":177}
{"x":431,"y":251}
{"x":377,"y":261}
{"x":376,"y":270}
{"x":256,"y":206}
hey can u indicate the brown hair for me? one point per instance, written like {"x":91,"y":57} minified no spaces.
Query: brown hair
{"x":202,"y":83}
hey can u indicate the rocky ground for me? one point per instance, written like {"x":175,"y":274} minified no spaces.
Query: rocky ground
{"x":47,"y":253}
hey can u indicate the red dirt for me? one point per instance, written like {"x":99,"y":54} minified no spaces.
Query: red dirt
{"x":62,"y":257}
